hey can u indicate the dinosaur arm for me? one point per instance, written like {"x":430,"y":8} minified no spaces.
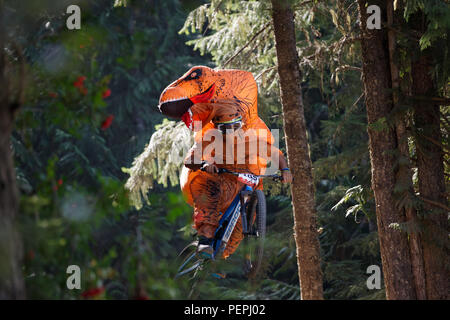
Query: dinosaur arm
{"x":192,"y":160}
{"x":196,"y":157}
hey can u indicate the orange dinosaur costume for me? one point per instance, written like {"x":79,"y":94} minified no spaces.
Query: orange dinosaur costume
{"x":198,"y":97}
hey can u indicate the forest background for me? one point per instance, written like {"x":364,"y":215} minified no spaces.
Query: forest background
{"x":90,"y":108}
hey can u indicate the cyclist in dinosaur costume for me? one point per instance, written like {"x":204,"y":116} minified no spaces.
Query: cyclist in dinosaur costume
{"x":207,"y":99}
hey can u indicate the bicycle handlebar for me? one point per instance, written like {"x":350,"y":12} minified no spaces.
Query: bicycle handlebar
{"x":272,"y":176}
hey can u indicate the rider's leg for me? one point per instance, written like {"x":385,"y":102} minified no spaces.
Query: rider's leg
{"x":212,"y":195}
{"x":205,"y":238}
{"x":235,"y":240}
{"x":205,"y":191}
{"x":206,"y":230}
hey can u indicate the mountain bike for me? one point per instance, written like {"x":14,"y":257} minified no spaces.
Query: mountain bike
{"x":250,"y":206}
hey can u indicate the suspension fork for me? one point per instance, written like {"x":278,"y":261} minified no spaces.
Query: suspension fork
{"x":244,"y":197}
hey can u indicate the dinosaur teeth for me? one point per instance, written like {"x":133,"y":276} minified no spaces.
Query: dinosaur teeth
{"x":172,"y":100}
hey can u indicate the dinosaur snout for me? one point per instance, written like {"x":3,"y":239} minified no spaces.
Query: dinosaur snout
{"x":174,"y":103}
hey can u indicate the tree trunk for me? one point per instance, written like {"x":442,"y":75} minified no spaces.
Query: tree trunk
{"x":404,"y":174}
{"x":430,"y":172}
{"x":394,"y":247}
{"x":11,"y":279}
{"x":302,"y":189}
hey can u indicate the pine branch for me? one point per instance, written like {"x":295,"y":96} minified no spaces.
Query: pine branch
{"x":446,"y":120}
{"x":247,"y":44}
{"x":341,"y":124}
{"x":214,"y":15}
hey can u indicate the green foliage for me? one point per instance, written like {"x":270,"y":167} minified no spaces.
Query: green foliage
{"x":358,"y":194}
{"x":437,"y":13}
{"x":72,"y":163}
{"x":161,"y":160}
{"x":239,"y":34}
{"x":425,"y":31}
{"x":91,"y":105}
{"x":340,"y":274}
{"x":227,"y":27}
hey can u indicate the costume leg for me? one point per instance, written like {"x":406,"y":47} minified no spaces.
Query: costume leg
{"x":212,"y":195}
{"x":205,"y":191}
{"x":235,"y":239}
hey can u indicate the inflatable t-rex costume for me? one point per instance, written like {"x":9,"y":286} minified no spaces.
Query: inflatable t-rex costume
{"x":203,"y":94}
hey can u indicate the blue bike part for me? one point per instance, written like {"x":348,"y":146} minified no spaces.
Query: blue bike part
{"x":224,"y":230}
{"x":225,"y":227}
{"x":246,"y":191}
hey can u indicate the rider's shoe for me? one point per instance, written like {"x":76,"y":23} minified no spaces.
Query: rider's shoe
{"x":204,"y":247}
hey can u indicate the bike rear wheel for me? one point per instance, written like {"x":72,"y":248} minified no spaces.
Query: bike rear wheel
{"x":254,"y":253}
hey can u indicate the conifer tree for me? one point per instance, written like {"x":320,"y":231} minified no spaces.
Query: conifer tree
{"x":305,"y":225}
{"x":383,"y":142}
{"x":430,"y":165}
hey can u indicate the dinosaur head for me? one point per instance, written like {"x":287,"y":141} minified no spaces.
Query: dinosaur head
{"x":196,"y":85}
{"x":202,"y":84}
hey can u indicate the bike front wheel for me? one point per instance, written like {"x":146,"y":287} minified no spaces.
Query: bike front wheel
{"x":254,"y":251}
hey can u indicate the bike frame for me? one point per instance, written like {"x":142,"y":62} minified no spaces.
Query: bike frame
{"x":227,"y":223}
{"x":229,"y":219}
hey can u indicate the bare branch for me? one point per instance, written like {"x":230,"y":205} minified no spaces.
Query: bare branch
{"x":347,"y":67}
{"x":435,"y":203}
{"x":264,"y":71}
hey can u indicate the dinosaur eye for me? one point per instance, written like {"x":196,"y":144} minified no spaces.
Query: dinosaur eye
{"x":195,"y":74}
